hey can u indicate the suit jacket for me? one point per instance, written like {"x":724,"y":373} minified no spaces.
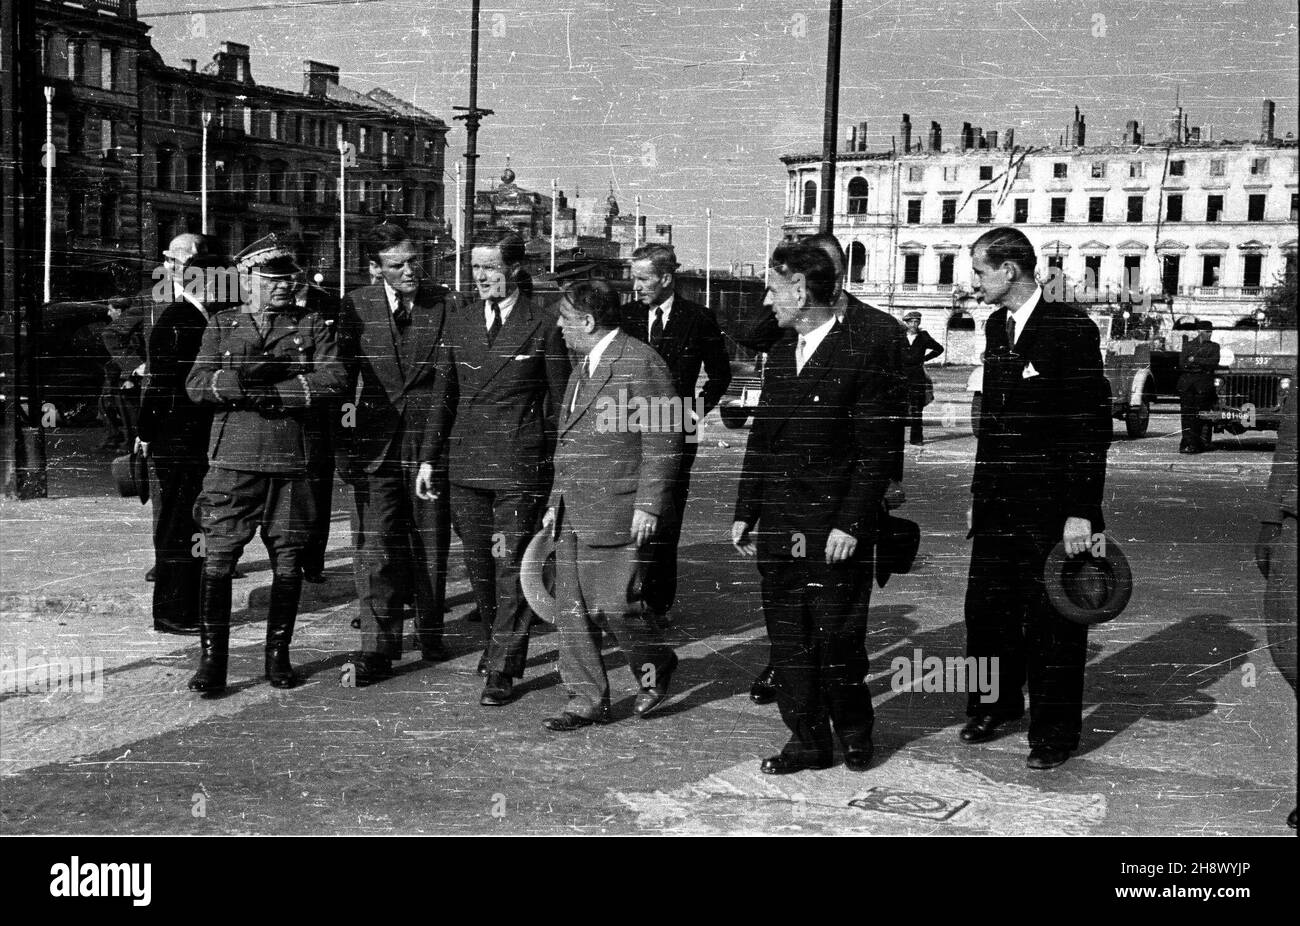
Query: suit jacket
{"x":507,"y":397}
{"x":1045,"y":426}
{"x":822,"y":448}
{"x":691,"y":339}
{"x":1196,"y":363}
{"x":166,"y":409}
{"x":297,"y":360}
{"x":916,"y":354}
{"x":610,"y":460}
{"x":402,"y":402}
{"x":125,"y":337}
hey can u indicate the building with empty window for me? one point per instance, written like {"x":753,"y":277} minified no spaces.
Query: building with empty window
{"x":1199,"y":226}
{"x":129,"y":137}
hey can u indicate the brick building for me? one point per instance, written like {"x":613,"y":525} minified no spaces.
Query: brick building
{"x":128,"y":131}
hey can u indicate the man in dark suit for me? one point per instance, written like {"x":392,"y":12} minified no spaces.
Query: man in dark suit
{"x":818,"y":462}
{"x":312,"y":298}
{"x":686,"y":335}
{"x":918,"y":350}
{"x":265,"y":368}
{"x":1197,"y":364}
{"x":393,"y":333}
{"x":174,"y":429}
{"x":1040,"y":470}
{"x":510,"y":367}
{"x":873,"y":325}
{"x":613,"y":488}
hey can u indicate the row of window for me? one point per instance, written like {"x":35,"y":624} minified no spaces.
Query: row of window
{"x":1135,"y":209}
{"x":294,"y":128}
{"x":1171,"y":269}
{"x":110,"y":76}
{"x":1097,"y":170}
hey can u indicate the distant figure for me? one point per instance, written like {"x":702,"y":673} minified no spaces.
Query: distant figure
{"x":920,"y":349}
{"x":1196,"y":364}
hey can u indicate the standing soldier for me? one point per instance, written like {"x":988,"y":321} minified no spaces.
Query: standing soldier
{"x":266,"y":367}
{"x":1197,"y":363}
{"x":919,"y":349}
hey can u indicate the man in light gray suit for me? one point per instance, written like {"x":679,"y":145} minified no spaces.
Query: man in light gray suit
{"x":618,"y":450}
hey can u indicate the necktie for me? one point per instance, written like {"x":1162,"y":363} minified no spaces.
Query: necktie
{"x":578,"y":384}
{"x":800,"y":352}
{"x":495,"y":327}
{"x":402,"y":314}
{"x":657,"y":329}
{"x":1011,"y":331}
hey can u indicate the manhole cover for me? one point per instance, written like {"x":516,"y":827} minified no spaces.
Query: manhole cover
{"x":909,"y":803}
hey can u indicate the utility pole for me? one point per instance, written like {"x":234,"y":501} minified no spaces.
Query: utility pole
{"x":472,"y":116}
{"x":22,"y":443}
{"x":830,"y":127}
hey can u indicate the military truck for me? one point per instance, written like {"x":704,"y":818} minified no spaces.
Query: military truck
{"x":1252,"y":381}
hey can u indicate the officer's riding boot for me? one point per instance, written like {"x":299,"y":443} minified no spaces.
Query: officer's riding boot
{"x":214,"y":634}
{"x":283,"y":610}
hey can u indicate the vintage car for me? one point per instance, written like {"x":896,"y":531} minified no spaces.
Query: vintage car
{"x":1252,"y":382}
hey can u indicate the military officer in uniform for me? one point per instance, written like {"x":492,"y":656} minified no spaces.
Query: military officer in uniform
{"x":266,"y":368}
{"x":1196,"y":364}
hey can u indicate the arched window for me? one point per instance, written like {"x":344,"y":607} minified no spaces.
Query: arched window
{"x":809,"y":198}
{"x":858,"y":190}
{"x":857,"y":262}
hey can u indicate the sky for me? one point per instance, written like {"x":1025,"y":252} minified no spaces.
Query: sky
{"x":690,"y":106}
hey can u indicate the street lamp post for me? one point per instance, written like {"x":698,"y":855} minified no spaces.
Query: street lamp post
{"x":49,"y":190}
{"x":461,"y":233}
{"x":636,"y":227}
{"x":555,"y":187}
{"x":708,"y":258}
{"x":203,"y":175}
{"x":472,"y":116}
{"x":767,"y":249}
{"x":831,"y":119}
{"x":343,"y":214}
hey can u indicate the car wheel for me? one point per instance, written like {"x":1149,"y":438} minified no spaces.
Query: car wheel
{"x":1137,"y":418}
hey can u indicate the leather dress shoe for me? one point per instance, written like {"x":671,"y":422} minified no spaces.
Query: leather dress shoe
{"x":783,"y":764}
{"x":369,"y":668}
{"x":763,"y":691}
{"x":1044,"y":757}
{"x":858,"y":759}
{"x":569,"y":721}
{"x":434,"y":651}
{"x":499,"y":690}
{"x":981,"y":729}
{"x":650,"y":698}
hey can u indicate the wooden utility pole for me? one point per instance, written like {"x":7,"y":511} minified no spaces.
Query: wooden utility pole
{"x":830,"y":127}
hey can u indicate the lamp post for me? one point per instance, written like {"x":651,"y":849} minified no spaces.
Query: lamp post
{"x":458,"y":236}
{"x":343,"y":214}
{"x":472,"y":115}
{"x":767,"y":249}
{"x":49,"y":190}
{"x":203,"y":175}
{"x":708,"y":258}
{"x":831,"y":119}
{"x":636,"y":227}
{"x":555,"y":186}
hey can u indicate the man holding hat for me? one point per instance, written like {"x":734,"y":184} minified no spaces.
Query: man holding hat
{"x":614,"y":474}
{"x":1196,"y":364}
{"x":266,"y":368}
{"x":918,"y":350}
{"x":1040,"y":470}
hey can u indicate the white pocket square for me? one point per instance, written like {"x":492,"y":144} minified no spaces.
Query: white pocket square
{"x":521,"y":356}
{"x":1029,"y":371}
